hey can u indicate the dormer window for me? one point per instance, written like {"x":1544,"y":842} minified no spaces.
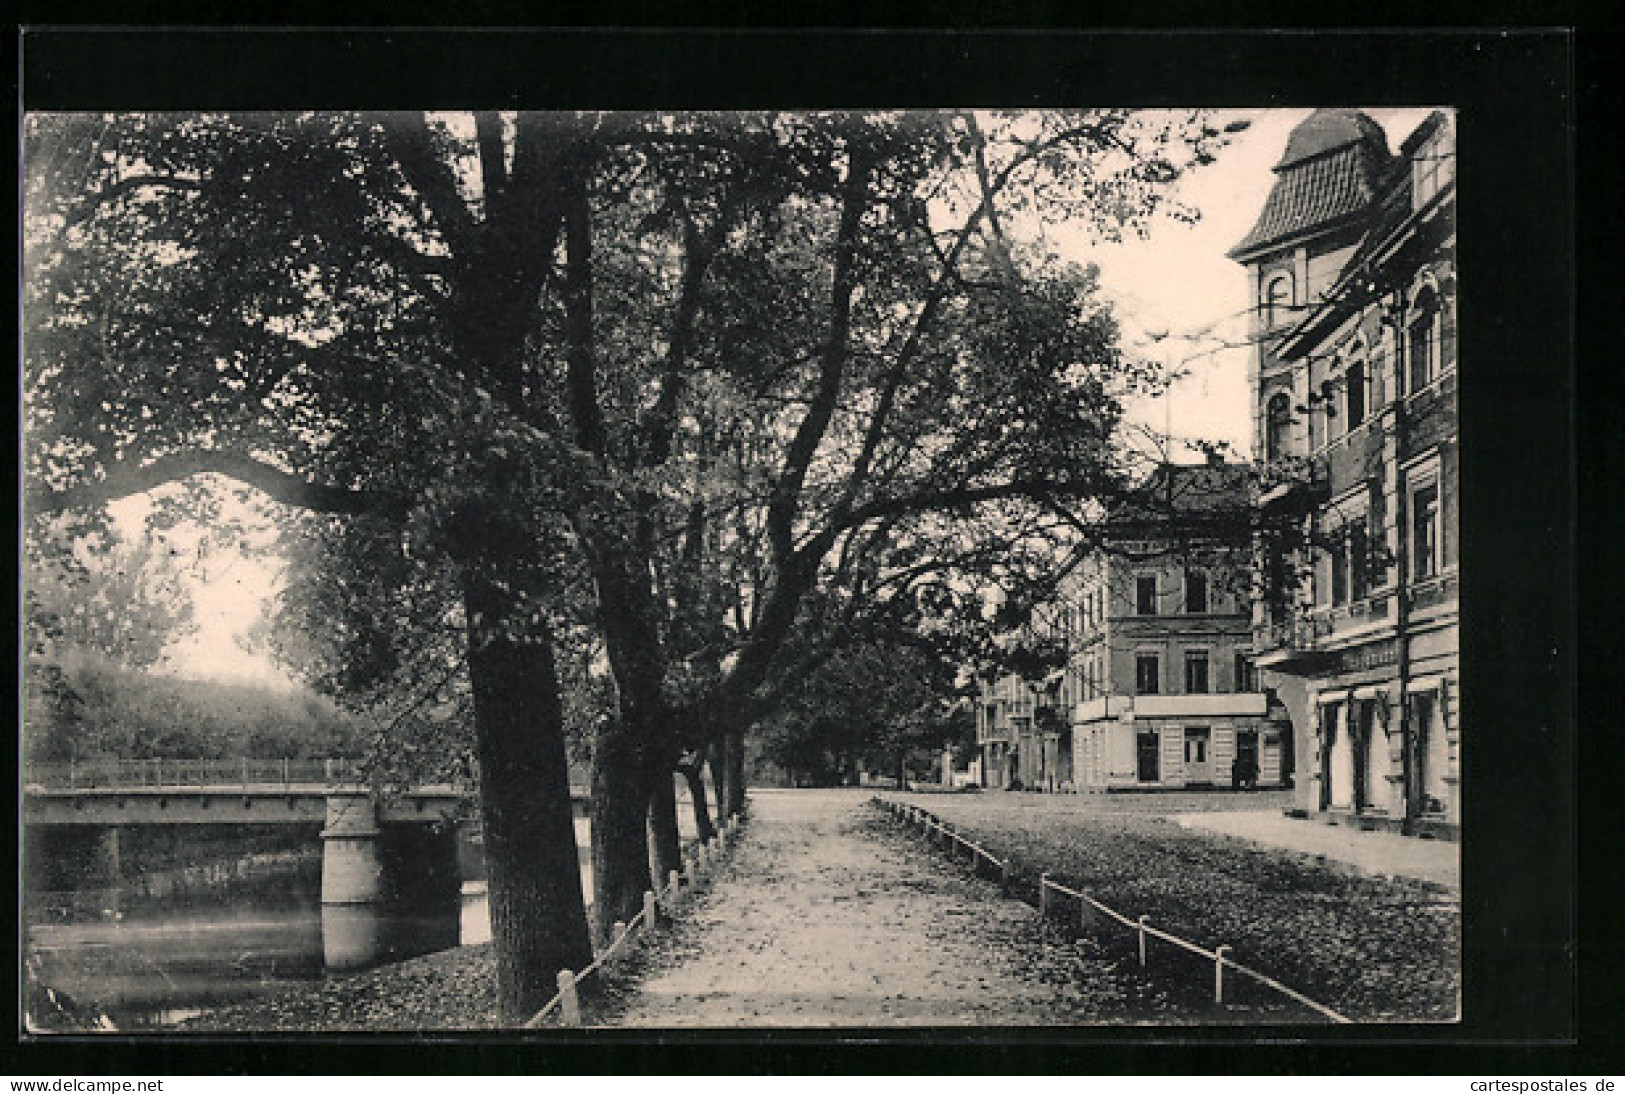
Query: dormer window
{"x":1432,"y":168}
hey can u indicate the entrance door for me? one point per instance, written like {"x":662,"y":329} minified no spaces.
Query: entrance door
{"x":1246,"y":773}
{"x":1148,"y":747}
{"x":1198,"y":756}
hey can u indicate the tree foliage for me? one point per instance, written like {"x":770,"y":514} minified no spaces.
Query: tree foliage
{"x":722,"y":370}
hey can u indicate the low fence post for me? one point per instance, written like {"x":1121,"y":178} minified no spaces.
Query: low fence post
{"x":1218,"y":974}
{"x":649,"y":910}
{"x":285,"y":780}
{"x":1004,"y":877}
{"x":569,"y":1001}
{"x":1043,"y":895}
{"x":674,"y":882}
{"x":1086,"y":911}
{"x":1142,"y":940}
{"x":617,"y":934}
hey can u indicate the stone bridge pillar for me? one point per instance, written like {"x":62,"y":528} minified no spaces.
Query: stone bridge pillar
{"x":353,"y":889}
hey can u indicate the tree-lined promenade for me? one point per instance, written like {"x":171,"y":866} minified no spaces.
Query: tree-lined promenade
{"x":604,"y":432}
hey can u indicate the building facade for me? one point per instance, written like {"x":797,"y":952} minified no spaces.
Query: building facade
{"x":1354,"y":384}
{"x":1158,"y":690}
{"x":1169,"y":697}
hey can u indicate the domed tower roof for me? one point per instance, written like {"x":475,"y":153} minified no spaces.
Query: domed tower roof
{"x":1327,"y":131}
{"x":1330,"y":172}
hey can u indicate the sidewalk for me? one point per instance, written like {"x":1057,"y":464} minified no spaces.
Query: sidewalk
{"x":826,"y":916}
{"x":1383,"y":854}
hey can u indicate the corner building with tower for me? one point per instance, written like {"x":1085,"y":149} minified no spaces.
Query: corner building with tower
{"x":1353,"y":379}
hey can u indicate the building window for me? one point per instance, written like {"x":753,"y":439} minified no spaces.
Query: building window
{"x":1340,"y":570}
{"x":1196,"y":672}
{"x":1359,"y":560}
{"x":1277,"y":300}
{"x":1425,"y":532}
{"x":1147,"y":674}
{"x":1145,"y":594}
{"x":1277,"y":426}
{"x":1195,"y":591}
{"x":1196,"y":741}
{"x":1354,"y":393}
{"x":1424,"y":341}
{"x":1246,"y":673}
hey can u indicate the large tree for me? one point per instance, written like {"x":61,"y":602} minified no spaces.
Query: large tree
{"x":708,"y":356}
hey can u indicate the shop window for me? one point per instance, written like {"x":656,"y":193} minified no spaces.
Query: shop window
{"x":1147,"y":674}
{"x":1425,"y":532}
{"x":1195,"y":592}
{"x":1145,"y":594}
{"x":1196,"y":682}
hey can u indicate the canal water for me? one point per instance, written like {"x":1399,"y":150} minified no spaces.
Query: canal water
{"x":171,"y":941}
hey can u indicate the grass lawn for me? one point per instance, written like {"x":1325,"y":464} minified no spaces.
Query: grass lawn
{"x":1374,"y":949}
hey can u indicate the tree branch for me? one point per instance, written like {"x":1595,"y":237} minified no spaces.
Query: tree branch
{"x":283,"y":486}
{"x":782,"y":509}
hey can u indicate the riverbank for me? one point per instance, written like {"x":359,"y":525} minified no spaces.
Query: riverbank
{"x":451,"y":990}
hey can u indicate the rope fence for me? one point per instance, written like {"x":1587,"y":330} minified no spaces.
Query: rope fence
{"x":1090,"y":910}
{"x":700,"y":859}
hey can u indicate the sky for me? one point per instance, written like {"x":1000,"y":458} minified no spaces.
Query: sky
{"x":1176,"y":281}
{"x":1180,"y":281}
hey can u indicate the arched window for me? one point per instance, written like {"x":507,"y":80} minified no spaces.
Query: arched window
{"x":1277,"y":299}
{"x":1424,"y":336}
{"x":1277,"y":426}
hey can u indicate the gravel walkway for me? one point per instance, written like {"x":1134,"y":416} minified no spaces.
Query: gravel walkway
{"x":827,"y":915}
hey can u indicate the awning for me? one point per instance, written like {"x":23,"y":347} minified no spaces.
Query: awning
{"x":1335,"y":696}
{"x":1374,"y":691}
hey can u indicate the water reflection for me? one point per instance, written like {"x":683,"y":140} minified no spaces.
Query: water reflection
{"x":167,"y":944}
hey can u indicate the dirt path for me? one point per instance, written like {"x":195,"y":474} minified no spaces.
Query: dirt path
{"x":827,"y":916}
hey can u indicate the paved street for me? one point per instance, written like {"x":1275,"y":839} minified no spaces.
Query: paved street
{"x":826,"y":915}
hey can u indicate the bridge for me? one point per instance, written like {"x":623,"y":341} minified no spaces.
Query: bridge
{"x":383,"y":854}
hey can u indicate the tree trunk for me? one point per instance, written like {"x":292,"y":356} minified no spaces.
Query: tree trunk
{"x":696,"y":796}
{"x":620,"y":834}
{"x":666,"y":842}
{"x":733,"y":761}
{"x":902,"y":769}
{"x":538,"y":921}
{"x":713,"y":764}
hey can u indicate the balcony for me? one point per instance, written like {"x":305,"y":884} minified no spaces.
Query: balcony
{"x":1291,"y":643}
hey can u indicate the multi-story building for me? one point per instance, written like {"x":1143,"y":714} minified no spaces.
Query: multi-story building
{"x":1158,"y":690}
{"x":1168,"y":696}
{"x":1354,"y":383}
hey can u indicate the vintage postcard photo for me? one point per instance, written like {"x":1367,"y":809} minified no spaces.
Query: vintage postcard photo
{"x":740,"y":569}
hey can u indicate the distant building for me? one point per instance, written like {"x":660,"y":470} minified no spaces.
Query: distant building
{"x":1158,"y":691}
{"x":1354,"y":384}
{"x":1169,"y":697}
